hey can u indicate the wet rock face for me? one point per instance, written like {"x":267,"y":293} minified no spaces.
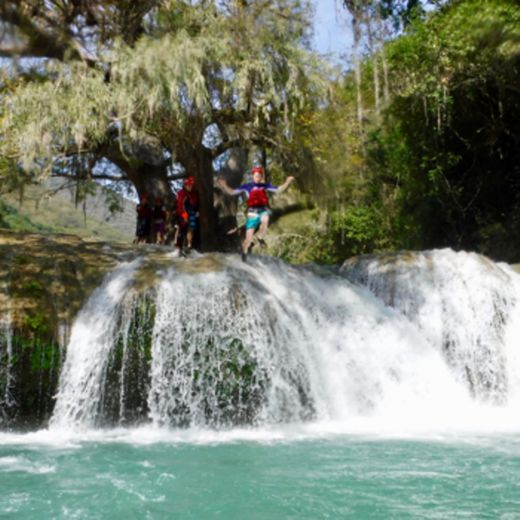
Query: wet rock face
{"x":44,"y":281}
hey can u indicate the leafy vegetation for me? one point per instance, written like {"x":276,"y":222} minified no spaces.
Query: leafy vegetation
{"x":10,"y":218}
{"x":415,"y":146}
{"x":190,"y":82}
{"x":42,"y":210}
{"x":438,"y":163}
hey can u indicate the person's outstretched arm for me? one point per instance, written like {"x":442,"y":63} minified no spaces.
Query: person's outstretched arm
{"x":285,"y":185}
{"x":225,"y":188}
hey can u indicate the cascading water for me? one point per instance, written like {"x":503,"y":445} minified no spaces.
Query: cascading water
{"x":6,"y":362}
{"x":216,"y":343}
{"x":463,"y":304}
{"x":82,"y":382}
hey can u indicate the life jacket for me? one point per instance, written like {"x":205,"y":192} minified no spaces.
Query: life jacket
{"x":257,"y":197}
{"x":187,"y":202}
{"x":143,"y":211}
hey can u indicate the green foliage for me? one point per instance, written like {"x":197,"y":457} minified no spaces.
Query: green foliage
{"x":66,"y":113}
{"x":10,"y":218}
{"x":195,"y":62}
{"x":242,"y":72}
{"x":33,"y":288}
{"x":113,"y":201}
{"x":350,"y":231}
{"x":435,"y":163}
{"x":439,"y":166}
{"x":455,"y":119}
{"x":42,"y":211}
{"x":28,"y":381}
{"x":37,"y":323}
{"x":357,"y":229}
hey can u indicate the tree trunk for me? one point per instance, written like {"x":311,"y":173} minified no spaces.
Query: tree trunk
{"x":203,"y":174}
{"x":147,"y":178}
{"x":153,"y":181}
{"x":357,"y":70}
{"x":375,"y":68}
{"x":198,"y":163}
{"x":227,"y":207}
{"x":383,"y":32}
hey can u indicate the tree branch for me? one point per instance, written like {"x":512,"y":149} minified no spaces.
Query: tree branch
{"x":92,"y":176}
{"x":224,"y":146}
{"x":40,"y":43}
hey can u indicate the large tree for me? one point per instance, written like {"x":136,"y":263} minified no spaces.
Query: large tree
{"x":152,"y":90}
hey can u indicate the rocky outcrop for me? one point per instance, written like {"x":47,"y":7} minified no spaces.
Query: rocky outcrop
{"x":44,"y":281}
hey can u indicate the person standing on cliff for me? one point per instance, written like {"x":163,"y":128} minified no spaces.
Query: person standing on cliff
{"x":188,"y":214}
{"x":258,"y":211}
{"x":144,"y":218}
{"x":159,"y":221}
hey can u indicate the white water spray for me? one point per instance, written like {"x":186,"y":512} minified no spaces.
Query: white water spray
{"x":464,"y":305}
{"x":6,"y":360}
{"x":269,"y":343}
{"x":92,"y":339}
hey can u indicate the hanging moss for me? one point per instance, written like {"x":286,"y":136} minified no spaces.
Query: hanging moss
{"x":226,"y":382}
{"x":128,"y":372}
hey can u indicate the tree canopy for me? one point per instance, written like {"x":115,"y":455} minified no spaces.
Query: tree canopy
{"x":416,"y":145}
{"x":433,"y":162}
{"x":159,"y":90}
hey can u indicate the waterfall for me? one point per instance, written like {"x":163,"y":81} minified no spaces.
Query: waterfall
{"x":6,"y":361}
{"x":213,"y":342}
{"x":92,"y":339}
{"x":463,"y":305}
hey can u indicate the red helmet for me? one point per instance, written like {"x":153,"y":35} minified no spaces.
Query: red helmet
{"x":189,"y":181}
{"x":257,"y":169}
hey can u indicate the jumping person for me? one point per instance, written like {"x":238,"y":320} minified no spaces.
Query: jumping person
{"x":257,"y":205}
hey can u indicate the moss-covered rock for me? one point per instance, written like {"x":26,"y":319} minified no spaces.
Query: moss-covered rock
{"x":44,"y":281}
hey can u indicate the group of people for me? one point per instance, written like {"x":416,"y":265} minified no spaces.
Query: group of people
{"x":175,"y":223}
{"x":179,"y":224}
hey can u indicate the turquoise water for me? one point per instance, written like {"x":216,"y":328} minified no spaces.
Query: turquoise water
{"x":132,"y":475}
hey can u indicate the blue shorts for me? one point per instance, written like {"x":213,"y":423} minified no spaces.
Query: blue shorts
{"x":254,"y":218}
{"x":192,"y":220}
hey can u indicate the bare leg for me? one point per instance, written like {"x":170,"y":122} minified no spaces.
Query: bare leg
{"x":189,"y":238}
{"x":263,"y":229}
{"x":247,"y":241}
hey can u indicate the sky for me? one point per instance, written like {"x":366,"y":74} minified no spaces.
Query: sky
{"x":332,"y":29}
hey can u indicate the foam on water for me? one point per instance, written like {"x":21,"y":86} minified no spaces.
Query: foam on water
{"x":22,"y":464}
